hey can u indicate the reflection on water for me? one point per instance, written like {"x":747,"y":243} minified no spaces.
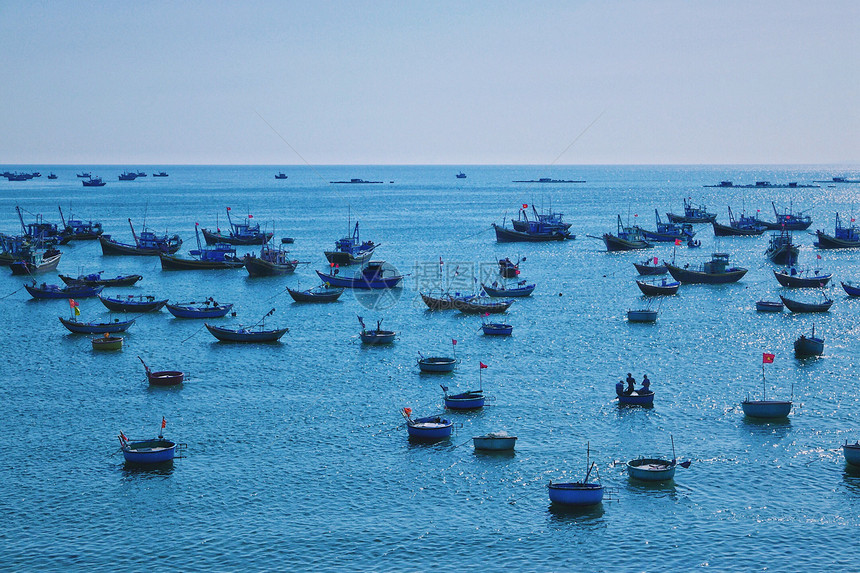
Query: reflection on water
{"x":147,"y":471}
{"x":589,"y":515}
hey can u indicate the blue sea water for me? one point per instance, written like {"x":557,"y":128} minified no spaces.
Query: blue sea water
{"x":297,"y":456}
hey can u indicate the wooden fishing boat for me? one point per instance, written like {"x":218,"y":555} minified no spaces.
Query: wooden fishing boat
{"x":430,"y":428}
{"x":745,"y":226}
{"x":625,"y":239}
{"x":651,"y":469}
{"x":668,"y":232}
{"x":650,"y":267}
{"x":444,"y":301}
{"x":494,"y":442}
{"x":483,"y":305}
{"x":497,"y":329}
{"x":793,"y":279}
{"x":577,"y":494}
{"x":208,"y":308}
{"x":636,"y":398}
{"x":522,"y":289}
{"x":321,"y":293}
{"x":642,"y":315}
{"x":372,"y":276}
{"x":95,"y":279}
{"x":768,"y":306}
{"x":797,"y":306}
{"x":654,"y":288}
{"x":163,"y":377}
{"x":509,"y":269}
{"x":132,"y":303}
{"x":534,"y":232}
{"x":271,"y":262}
{"x":715,"y":271}
{"x":842,"y":237}
{"x":156,"y":451}
{"x":96,"y":327}
{"x":692,"y":214}
{"x":41,"y":232}
{"x":849,"y":289}
{"x":781,"y":250}
{"x":807,"y":346}
{"x":46,"y":291}
{"x":244,"y":233}
{"x":852,"y":453}
{"x":436,"y":364}
{"x":145,"y":244}
{"x":219,"y":256}
{"x":548,"y":220}
{"x":350,"y":250}
{"x":788,"y":220}
{"x":77,"y":230}
{"x":281,"y":175}
{"x":107,"y":342}
{"x":376,"y":336}
{"x":246,"y":334}
{"x":93,"y":182}
{"x":766,"y":408}
{"x":470,"y":400}
{"x":33,"y":261}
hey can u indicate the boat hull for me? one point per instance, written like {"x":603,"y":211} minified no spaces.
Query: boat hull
{"x":149,"y":451}
{"x":616,"y":244}
{"x":651,"y":469}
{"x":641,"y":316}
{"x":494,"y":443}
{"x":575,"y":494}
{"x":504,"y":235}
{"x":203,"y":311}
{"x":107,"y":343}
{"x":650,"y":289}
{"x":81,"y":291}
{"x":784,"y":255}
{"x":850,"y":290}
{"x":766,"y":408}
{"x":174,"y":263}
{"x":429,"y":429}
{"x":165,"y":378}
{"x":497,"y":329}
{"x":518,"y":292}
{"x":805,"y":347}
{"x":127,"y":280}
{"x":111,"y":247}
{"x":686,"y":276}
{"x":327,"y":295}
{"x":649,"y":270}
{"x":852,"y":454}
{"x":729,"y":231}
{"x":443,"y":302}
{"x":465,"y":401}
{"x":242,"y":335}
{"x":637,"y":398}
{"x":27,"y":268}
{"x":708,"y":218}
{"x":255,"y":239}
{"x":377,"y":336}
{"x":472,"y":307}
{"x":768,"y":306}
{"x":796,"y":306}
{"x":347,"y":259}
{"x":258,"y":267}
{"x":797,"y":281}
{"x":826,"y":241}
{"x":437,"y":364}
{"x":360,"y":282}
{"x":96,"y":327}
{"x":132,"y":305}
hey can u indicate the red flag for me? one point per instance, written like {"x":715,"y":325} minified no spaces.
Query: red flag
{"x":853,"y":219}
{"x":163,"y":423}
{"x":819,"y":256}
{"x":525,"y":206}
{"x":677,"y":242}
{"x":331,"y":265}
{"x":454,"y":342}
{"x":758,"y":210}
{"x":250,"y":216}
{"x":767,"y":358}
{"x":655,"y":261}
{"x":483,"y":365}
{"x":124,"y":439}
{"x":228,"y":208}
{"x":635,"y":214}
{"x":72,"y":303}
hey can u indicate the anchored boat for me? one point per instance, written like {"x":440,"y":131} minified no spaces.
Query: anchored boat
{"x":429,"y":429}
{"x":494,"y":442}
{"x":842,"y":237}
{"x":807,"y":346}
{"x":577,"y":494}
{"x":715,"y":271}
{"x":373,"y":276}
{"x":245,"y":233}
{"x":350,"y":250}
{"x":145,"y":244}
{"x":692,"y":214}
{"x":625,"y":239}
{"x":208,"y":308}
{"x":764,"y":408}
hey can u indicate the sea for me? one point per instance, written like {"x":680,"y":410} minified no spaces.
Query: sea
{"x":297,"y":455}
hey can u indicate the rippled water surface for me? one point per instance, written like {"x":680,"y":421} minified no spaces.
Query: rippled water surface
{"x":297,"y":457}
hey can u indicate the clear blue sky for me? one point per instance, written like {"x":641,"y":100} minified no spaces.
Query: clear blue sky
{"x":430,"y":82}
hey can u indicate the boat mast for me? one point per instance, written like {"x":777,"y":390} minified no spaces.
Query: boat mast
{"x":24,"y":227}
{"x":197,"y":234}
{"x":63,"y":219}
{"x":133,"y":234}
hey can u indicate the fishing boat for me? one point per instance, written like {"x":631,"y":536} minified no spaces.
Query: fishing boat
{"x":842,"y":237}
{"x":849,"y":289}
{"x":851,"y":453}
{"x":444,"y":300}
{"x":769,"y":306}
{"x":549,"y":220}
{"x":793,"y":278}
{"x":95,"y":279}
{"x":650,"y":267}
{"x":483,"y":305}
{"x":350,"y":250}
{"x":246,"y":334}
{"x":281,"y":175}
{"x":107,"y":342}
{"x":509,"y":269}
{"x":430,"y":428}
{"x":651,"y":469}
{"x":536,"y":233}
{"x":470,"y":400}
{"x":438,"y":363}
{"x":807,"y":346}
{"x":655,"y":288}
{"x":77,"y":230}
{"x":127,"y":176}
{"x":461,"y":175}
{"x":13,"y":248}
{"x":85,"y":174}
{"x":715,"y":271}
{"x":32,"y":261}
{"x":354,"y":180}
{"x":765,"y":408}
{"x":497,"y":329}
{"x":273,"y":261}
{"x":244,"y":233}
{"x":156,"y":451}
{"x":668,"y":232}
{"x":745,"y":226}
{"x":372,"y":276}
{"x":160,"y":174}
{"x":494,"y":442}
{"x":577,"y":494}
{"x":625,"y":239}
{"x":219,"y":256}
{"x":642,"y":315}
{"x":40,"y":231}
{"x":46,"y":291}
{"x":644,"y":396}
{"x":93,"y":182}
{"x":74,"y":325}
{"x":145,"y":244}
{"x":163,"y":377}
{"x":376,"y":336}
{"x":788,"y":220}
{"x":321,"y":293}
{"x":132,"y":303}
{"x":781,"y":249}
{"x":798,"y":306}
{"x":208,"y":308}
{"x":692,"y":214}
{"x":500,"y":290}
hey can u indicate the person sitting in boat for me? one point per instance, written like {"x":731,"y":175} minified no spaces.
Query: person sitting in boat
{"x":646,"y":385}
{"x":631,"y":384}
{"x":619,"y":388}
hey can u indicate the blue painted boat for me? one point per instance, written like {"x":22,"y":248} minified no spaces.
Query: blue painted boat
{"x":219,"y":256}
{"x":849,"y":289}
{"x":430,"y":428}
{"x":372,"y":276}
{"x":350,"y":250}
{"x":96,"y":327}
{"x":494,"y":442}
{"x":246,"y":334}
{"x":692,"y":214}
{"x":636,"y":398}
{"x":577,"y":494}
{"x":766,"y":408}
{"x":132,"y":303}
{"x":46,"y":291}
{"x":377,"y":336}
{"x":271,"y":262}
{"x":155,"y":451}
{"x":807,"y":346}
{"x":244,"y":233}
{"x":503,"y":291}
{"x":497,"y":329}
{"x":625,"y":239}
{"x":852,"y":453}
{"x":41,"y":232}
{"x":651,"y":469}
{"x":469,"y":400}
{"x":438,"y":363}
{"x":95,"y":279}
{"x":549,"y":220}
{"x":769,"y":306}
{"x":842,"y":237}
{"x":209,"y":308}
{"x":668,"y":232}
{"x":145,"y":244}
{"x":321,"y":293}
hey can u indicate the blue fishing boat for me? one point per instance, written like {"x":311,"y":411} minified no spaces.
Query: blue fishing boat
{"x":321,"y":293}
{"x":281,"y":175}
{"x":655,"y":469}
{"x":842,"y":237}
{"x":351,"y":250}
{"x":650,"y":267}
{"x":461,"y":175}
{"x":127,"y":176}
{"x":807,"y":346}
{"x":470,"y":400}
{"x":577,"y":494}
{"x":497,"y":329}
{"x":483,"y":305}
{"x":132,"y":303}
{"x":641,"y":397}
{"x":271,"y":262}
{"x":77,"y":327}
{"x":208,"y":308}
{"x":787,"y":219}
{"x":660,"y":287}
{"x":155,"y":451}
{"x":46,"y":291}
{"x":244,"y":233}
{"x":715,"y":271}
{"x":438,"y":363}
{"x":494,"y":442}
{"x":376,"y":336}
{"x":500,"y":290}
{"x":13,"y":248}
{"x":800,"y":307}
{"x":41,"y":232}
{"x":372,"y":276}
{"x":254,"y":333}
{"x":852,"y":453}
{"x":77,"y":230}
{"x":764,"y":408}
{"x":548,"y":220}
{"x":219,"y":256}
{"x":769,"y":306}
{"x":692,"y":214}
{"x":745,"y":226}
{"x":145,"y":244}
{"x":160,"y":174}
{"x":536,"y":232}
{"x":781,"y":250}
{"x":95,"y":279}
{"x":668,"y":232}
{"x":625,"y":239}
{"x":93,"y":182}
{"x":32,"y":261}
{"x":85,"y":174}
{"x":430,"y":428}
{"x":793,"y":278}
{"x":850,"y":289}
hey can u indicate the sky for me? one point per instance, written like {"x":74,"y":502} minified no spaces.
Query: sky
{"x":442,"y":82}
